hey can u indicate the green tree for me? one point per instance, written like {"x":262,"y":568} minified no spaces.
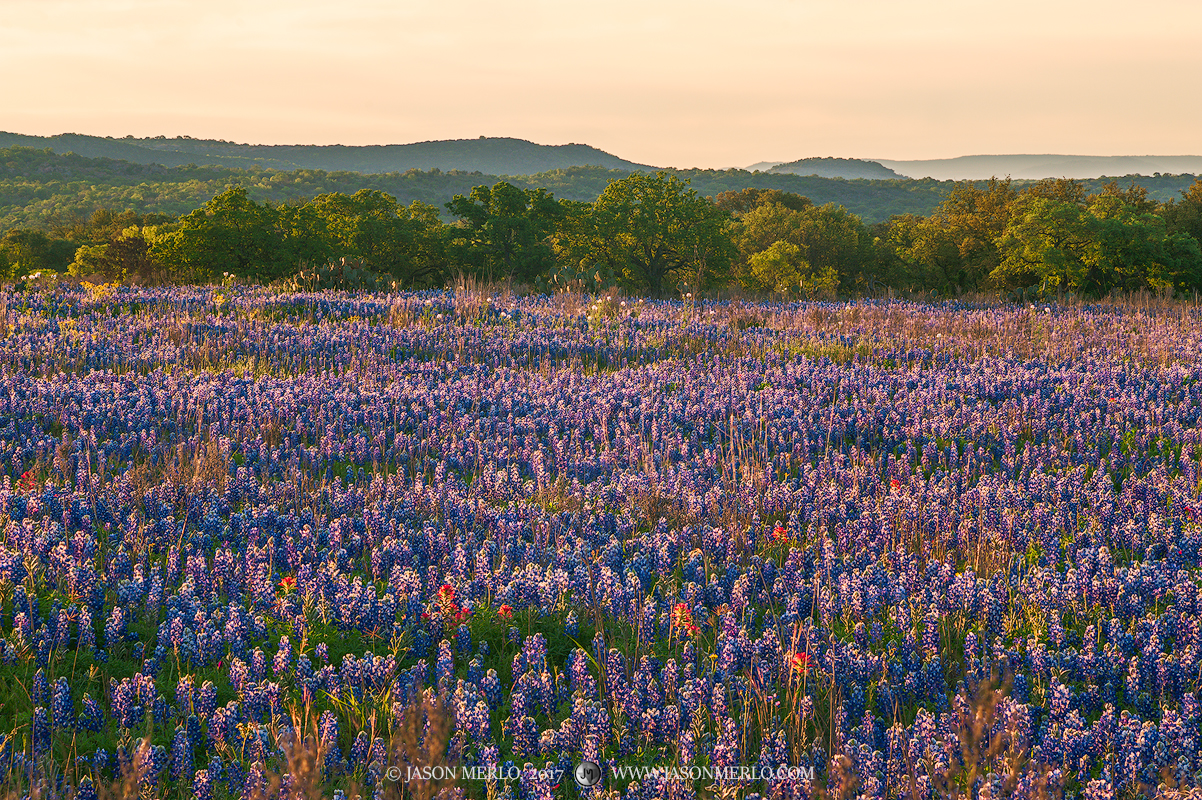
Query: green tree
{"x":23,"y":252}
{"x":428,"y":262}
{"x":652,"y":232}
{"x":126,"y":257}
{"x":506,"y":231}
{"x":304,"y":235}
{"x":130,"y":253}
{"x":1184,"y":215}
{"x":838,"y":243}
{"x":829,"y":239}
{"x":779,"y":268}
{"x":737,"y":203}
{"x":1136,"y":250}
{"x":578,"y":266}
{"x":956,"y":247}
{"x":1049,"y":240}
{"x":1066,"y":190}
{"x":370,"y":227}
{"x":926,"y":252}
{"x":782,"y":270}
{"x":1094,"y":245}
{"x":92,"y":260}
{"x":230,"y":233}
{"x":104,"y":225}
{"x":1134,"y":196}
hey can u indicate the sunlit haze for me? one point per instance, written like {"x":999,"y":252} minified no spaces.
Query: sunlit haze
{"x":667,"y":82}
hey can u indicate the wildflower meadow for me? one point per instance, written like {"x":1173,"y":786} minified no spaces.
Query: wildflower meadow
{"x":265,"y":545}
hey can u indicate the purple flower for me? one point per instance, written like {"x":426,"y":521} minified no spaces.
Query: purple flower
{"x":41,"y":732}
{"x":62,"y":708}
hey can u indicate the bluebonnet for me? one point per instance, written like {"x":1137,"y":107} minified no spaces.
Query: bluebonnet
{"x":41,"y":732}
{"x":62,"y":708}
{"x":965,"y":486}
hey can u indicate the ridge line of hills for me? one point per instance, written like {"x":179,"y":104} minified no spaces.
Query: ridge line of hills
{"x":1048,"y":165}
{"x":39,"y":187}
{"x":495,"y":156}
{"x":512,"y":156}
{"x":983,"y":167}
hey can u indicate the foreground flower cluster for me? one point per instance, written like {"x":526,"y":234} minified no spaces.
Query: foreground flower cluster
{"x":921,"y":549}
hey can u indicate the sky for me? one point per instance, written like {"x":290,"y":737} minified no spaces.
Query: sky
{"x":672,"y":83}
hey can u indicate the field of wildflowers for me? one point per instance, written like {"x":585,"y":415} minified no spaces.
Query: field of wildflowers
{"x":280,"y":545}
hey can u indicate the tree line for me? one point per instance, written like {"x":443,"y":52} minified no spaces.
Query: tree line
{"x":40,"y":189}
{"x":1051,"y":236}
{"x":651,"y":234}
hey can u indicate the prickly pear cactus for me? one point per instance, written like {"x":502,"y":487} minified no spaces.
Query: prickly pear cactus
{"x":345,"y":274}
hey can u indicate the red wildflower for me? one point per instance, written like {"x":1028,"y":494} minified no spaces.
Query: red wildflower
{"x":894,"y":484}
{"x":451,"y":610}
{"x":26,"y":483}
{"x":287,"y":583}
{"x":505,"y":611}
{"x":1189,"y":511}
{"x":682,"y":617}
{"x":800,"y":662}
{"x":780,"y":533}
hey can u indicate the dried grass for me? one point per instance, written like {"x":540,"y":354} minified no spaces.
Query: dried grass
{"x":402,"y":315}
{"x":421,"y":738}
{"x":989,"y":744}
{"x":199,"y":469}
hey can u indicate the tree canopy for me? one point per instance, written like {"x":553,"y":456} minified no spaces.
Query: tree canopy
{"x":506,"y":231}
{"x":650,"y":234}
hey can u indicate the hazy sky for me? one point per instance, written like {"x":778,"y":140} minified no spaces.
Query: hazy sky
{"x":663,"y":82}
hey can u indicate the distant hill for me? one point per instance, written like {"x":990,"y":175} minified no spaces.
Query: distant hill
{"x":506,"y":156}
{"x":39,"y":188}
{"x":828,"y":167}
{"x":492,"y":156}
{"x":1036,"y":167}
{"x":762,"y":166}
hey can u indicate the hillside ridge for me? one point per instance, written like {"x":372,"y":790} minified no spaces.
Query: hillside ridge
{"x":513,"y":156}
{"x":39,"y":187}
{"x":829,"y":167}
{"x":1039,"y":166}
{"x":488,"y":155}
